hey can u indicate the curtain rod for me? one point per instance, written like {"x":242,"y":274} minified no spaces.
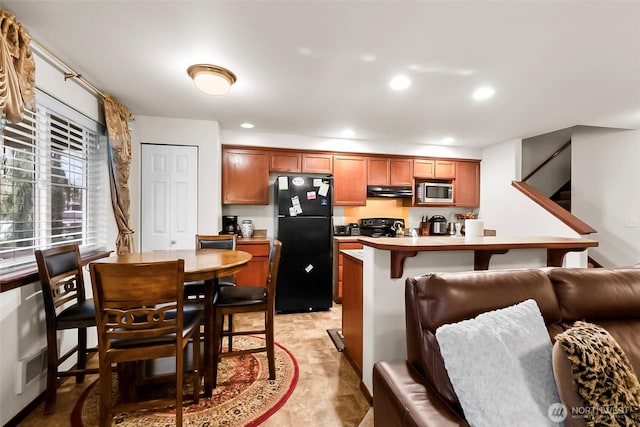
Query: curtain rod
{"x":69,"y":73}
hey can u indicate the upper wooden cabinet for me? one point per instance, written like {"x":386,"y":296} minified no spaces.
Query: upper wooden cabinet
{"x":285,"y":161}
{"x":349,"y":180}
{"x":377,"y":171}
{"x":401,"y":172}
{"x":466,"y":189}
{"x":437,"y":169}
{"x":317,"y":163}
{"x":245,"y":176}
{"x":386,"y":171}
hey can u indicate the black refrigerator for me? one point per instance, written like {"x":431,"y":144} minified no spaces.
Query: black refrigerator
{"x":303,"y":225}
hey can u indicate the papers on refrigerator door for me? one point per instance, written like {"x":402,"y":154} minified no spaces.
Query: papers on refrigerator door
{"x":324,"y":189}
{"x":283,"y":183}
{"x":295,"y":201}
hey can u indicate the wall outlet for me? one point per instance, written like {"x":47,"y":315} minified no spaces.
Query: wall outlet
{"x":631,"y":221}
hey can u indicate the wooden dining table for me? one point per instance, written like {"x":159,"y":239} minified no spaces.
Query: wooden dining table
{"x":203,"y":264}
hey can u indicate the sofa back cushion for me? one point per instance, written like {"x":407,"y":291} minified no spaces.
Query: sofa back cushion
{"x":607,"y":297}
{"x":442,"y":298}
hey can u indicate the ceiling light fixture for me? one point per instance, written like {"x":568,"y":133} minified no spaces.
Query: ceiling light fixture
{"x":247,"y":125}
{"x":211,"y":79}
{"x":483,"y":93}
{"x":348,"y":133}
{"x":400,"y":82}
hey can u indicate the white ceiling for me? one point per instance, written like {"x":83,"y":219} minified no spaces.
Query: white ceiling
{"x":314,"y":68}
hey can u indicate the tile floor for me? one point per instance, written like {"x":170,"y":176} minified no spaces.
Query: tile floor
{"x":327,"y":394}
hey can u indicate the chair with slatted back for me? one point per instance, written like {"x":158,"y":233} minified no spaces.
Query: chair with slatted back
{"x":246,"y":299}
{"x":194,"y":291}
{"x":141,"y":316}
{"x":66,"y":307}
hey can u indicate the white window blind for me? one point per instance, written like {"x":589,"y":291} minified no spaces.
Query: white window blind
{"x":52,"y":168}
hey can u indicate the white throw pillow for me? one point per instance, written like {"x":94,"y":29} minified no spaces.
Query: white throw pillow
{"x":500,"y":366}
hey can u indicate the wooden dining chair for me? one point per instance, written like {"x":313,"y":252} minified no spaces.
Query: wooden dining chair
{"x":194,"y":291}
{"x":66,"y":307}
{"x":247,"y":299}
{"x":141,"y":316}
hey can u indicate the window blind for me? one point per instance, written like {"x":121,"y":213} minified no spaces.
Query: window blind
{"x":52,"y":180}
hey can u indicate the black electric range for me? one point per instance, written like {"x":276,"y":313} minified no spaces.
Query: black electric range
{"x":379,"y":227}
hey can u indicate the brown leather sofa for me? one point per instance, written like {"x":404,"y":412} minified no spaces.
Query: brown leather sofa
{"x":417,"y":392}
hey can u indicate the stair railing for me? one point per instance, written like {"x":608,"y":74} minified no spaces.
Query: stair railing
{"x":551,"y":157}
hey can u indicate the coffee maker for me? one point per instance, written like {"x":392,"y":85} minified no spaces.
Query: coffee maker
{"x":230,"y":225}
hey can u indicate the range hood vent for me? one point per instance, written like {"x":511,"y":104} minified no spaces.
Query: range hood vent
{"x":390,"y":192}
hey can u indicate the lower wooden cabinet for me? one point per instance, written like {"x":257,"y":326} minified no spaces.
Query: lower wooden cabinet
{"x":338,"y":263}
{"x":352,"y":312}
{"x":255,"y":273}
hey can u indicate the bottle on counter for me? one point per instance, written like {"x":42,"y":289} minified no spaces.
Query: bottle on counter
{"x":424,"y":226}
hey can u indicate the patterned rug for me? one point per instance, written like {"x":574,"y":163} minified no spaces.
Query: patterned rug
{"x":244,"y":395}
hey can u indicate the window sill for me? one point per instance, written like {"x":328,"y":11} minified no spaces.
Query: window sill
{"x":25,"y":276}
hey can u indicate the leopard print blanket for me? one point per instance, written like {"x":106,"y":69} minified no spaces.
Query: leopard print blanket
{"x":603,"y":375}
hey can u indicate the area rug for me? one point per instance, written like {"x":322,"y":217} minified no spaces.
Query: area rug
{"x":244,"y":395}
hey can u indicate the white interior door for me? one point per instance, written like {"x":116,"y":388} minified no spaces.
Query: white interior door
{"x":169,"y":205}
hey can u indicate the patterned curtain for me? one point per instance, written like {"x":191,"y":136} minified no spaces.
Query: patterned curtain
{"x":117,"y":117}
{"x":17,"y":69}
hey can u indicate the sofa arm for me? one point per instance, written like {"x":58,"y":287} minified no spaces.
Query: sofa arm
{"x":402,"y":398}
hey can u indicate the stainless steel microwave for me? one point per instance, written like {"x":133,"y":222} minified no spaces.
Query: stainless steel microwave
{"x":434,"y":192}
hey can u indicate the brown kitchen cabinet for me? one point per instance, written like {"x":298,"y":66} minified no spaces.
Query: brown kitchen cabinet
{"x":283,"y":161}
{"x":389,"y":171}
{"x":317,"y":163}
{"x":338,"y":263}
{"x":352,"y":303}
{"x":245,"y":176}
{"x":466,"y":189}
{"x":436,"y":169}
{"x":255,"y":273}
{"x":349,"y":180}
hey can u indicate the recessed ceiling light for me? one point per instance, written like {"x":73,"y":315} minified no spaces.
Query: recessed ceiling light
{"x":348,"y":133}
{"x":447,"y":140}
{"x":484,"y":92}
{"x":400,"y":82}
{"x":247,"y":125}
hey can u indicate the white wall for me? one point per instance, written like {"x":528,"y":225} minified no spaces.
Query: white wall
{"x":605,"y":191}
{"x":200,"y":133}
{"x":257,"y":139}
{"x":506,"y":209}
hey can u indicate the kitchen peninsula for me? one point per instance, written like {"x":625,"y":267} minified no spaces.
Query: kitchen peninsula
{"x":386,"y":262}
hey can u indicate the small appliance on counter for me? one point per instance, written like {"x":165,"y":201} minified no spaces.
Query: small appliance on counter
{"x":230,"y":225}
{"x":246,"y":228}
{"x":380,"y":227}
{"x":437,"y":225}
{"x":341,"y":230}
{"x":354,"y":229}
